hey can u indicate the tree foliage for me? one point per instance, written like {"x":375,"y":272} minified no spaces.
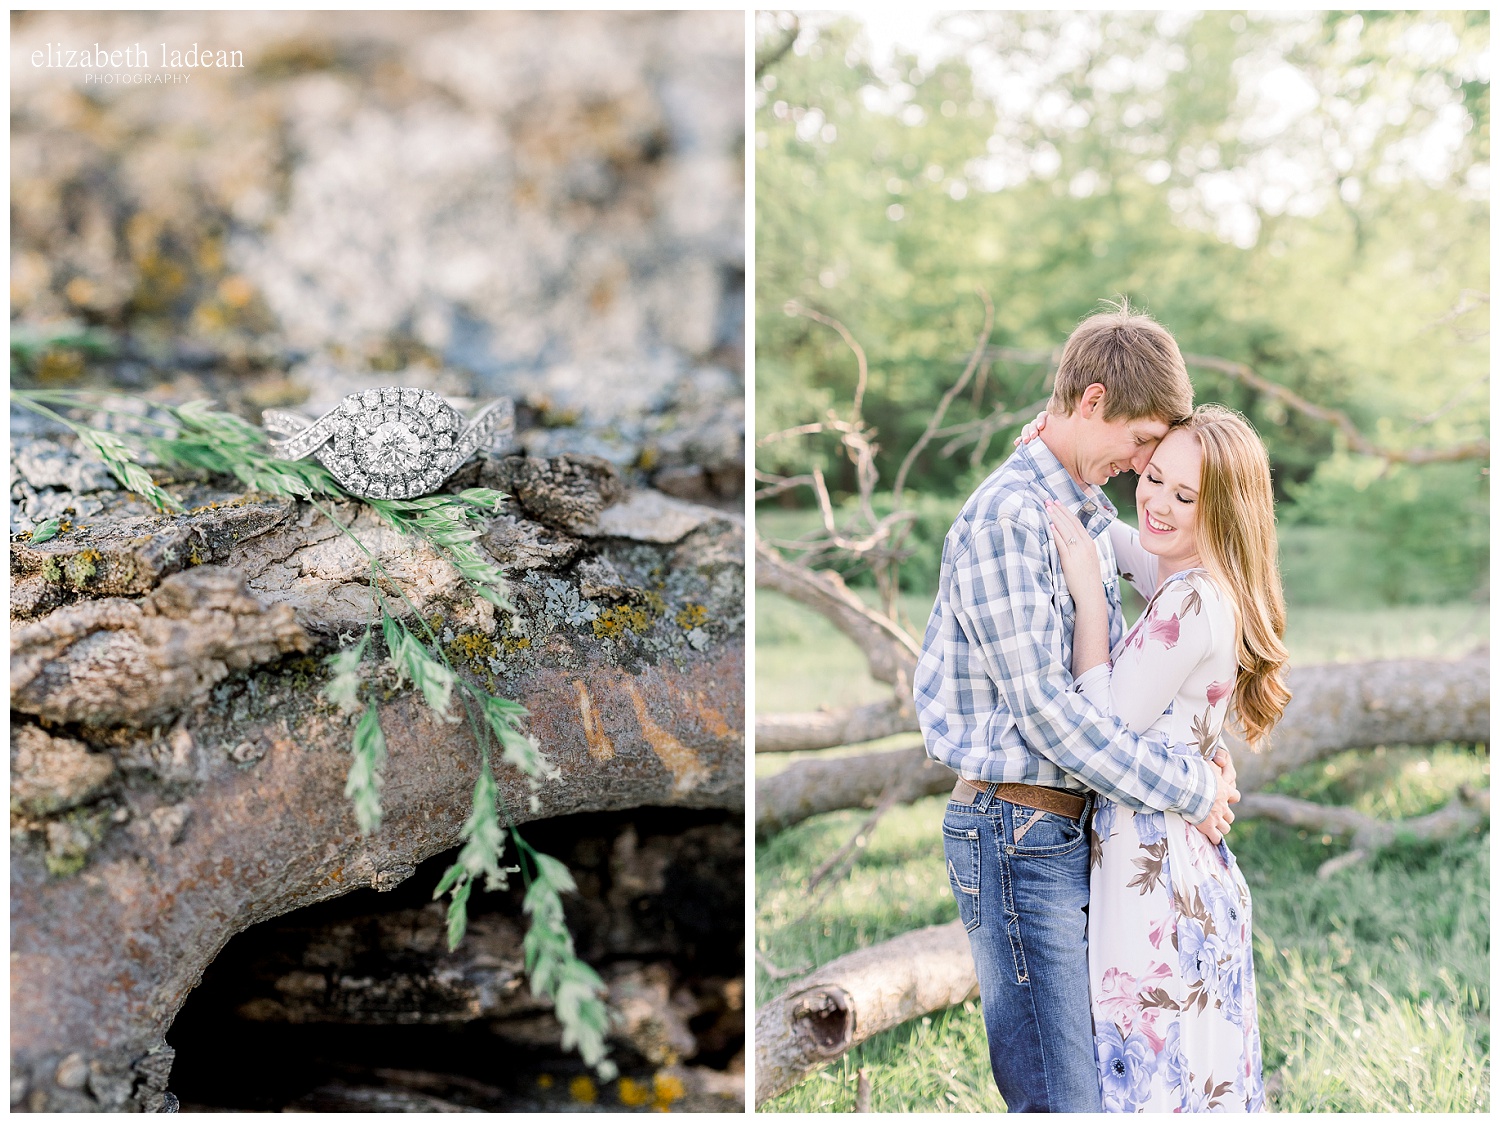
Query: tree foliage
{"x":1306,"y":194}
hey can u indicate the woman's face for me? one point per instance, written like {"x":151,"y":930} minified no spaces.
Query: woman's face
{"x":1166,"y":500}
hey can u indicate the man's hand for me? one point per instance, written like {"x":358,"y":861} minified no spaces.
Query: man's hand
{"x":1216,"y":826}
{"x":1226,"y":765}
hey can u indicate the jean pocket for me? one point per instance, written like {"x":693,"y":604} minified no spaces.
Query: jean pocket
{"x":961,"y":849}
{"x":1032,"y":833}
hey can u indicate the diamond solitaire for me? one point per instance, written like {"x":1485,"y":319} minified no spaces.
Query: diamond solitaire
{"x":392,"y":442}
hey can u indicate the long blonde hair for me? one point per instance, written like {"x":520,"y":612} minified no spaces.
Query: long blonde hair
{"x":1237,"y":542}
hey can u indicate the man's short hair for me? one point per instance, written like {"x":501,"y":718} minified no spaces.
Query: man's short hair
{"x":1134,"y":358}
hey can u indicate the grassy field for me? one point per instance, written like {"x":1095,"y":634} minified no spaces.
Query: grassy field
{"x":1374,"y":984}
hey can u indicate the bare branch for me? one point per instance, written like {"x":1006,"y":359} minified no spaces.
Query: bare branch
{"x":1467,"y":810}
{"x":845,"y":853}
{"x":795,"y":308}
{"x":776,"y":52}
{"x":1451,"y":403}
{"x":979,"y":431}
{"x":779,"y":484}
{"x":947,"y":399}
{"x":1357,"y":441}
{"x":1241,"y":372}
{"x":892,"y":653}
{"x":1469,"y":300}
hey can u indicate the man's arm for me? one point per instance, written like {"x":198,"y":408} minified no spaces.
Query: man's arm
{"x":1002,"y":586}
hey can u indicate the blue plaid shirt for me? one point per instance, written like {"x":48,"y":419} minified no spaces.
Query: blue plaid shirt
{"x":993,"y":686}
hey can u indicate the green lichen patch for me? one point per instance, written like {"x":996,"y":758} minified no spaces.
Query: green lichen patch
{"x":70,"y":837}
{"x":82,"y":567}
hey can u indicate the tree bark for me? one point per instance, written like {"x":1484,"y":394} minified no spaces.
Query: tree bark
{"x":822,"y":1016}
{"x":1335,"y":707}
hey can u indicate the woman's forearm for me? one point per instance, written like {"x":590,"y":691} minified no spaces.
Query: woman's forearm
{"x":1090,"y":631}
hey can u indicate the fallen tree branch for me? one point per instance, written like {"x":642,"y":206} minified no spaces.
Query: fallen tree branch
{"x":1339,"y":706}
{"x":1467,"y":810}
{"x":813,"y":787}
{"x":856,"y":996}
{"x":1335,"y":707}
{"x":857,"y":840}
{"x":892,"y":653}
{"x":826,"y":729}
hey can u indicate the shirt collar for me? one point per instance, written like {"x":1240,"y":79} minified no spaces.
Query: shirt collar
{"x":1088,"y":502}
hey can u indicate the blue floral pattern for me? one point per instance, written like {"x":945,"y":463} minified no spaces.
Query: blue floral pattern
{"x":1171,"y":968}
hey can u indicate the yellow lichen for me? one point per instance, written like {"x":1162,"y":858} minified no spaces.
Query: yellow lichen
{"x":475,"y":649}
{"x":633,"y":1094}
{"x":513,"y":644}
{"x":693,"y":616}
{"x":582,"y":1089}
{"x":544,"y":1080}
{"x":669,"y":1090}
{"x":612,"y":623}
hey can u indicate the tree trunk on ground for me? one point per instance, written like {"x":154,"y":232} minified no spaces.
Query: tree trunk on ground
{"x":1333,"y":708}
{"x":821,"y":1017}
{"x":795,"y":733}
{"x":166,"y":818}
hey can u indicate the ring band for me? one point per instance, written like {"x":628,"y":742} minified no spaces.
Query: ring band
{"x":391,"y":442}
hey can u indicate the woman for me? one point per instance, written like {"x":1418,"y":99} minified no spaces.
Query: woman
{"x":1170,"y":965}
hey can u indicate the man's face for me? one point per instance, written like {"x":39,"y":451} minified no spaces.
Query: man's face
{"x":1107,"y":448}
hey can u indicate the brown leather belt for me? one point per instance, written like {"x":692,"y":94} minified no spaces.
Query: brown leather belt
{"x":1062,"y":803}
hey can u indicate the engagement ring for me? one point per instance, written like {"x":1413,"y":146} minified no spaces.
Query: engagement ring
{"x":393,"y":442}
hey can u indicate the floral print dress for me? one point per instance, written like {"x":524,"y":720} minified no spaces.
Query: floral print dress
{"x":1171,"y":975}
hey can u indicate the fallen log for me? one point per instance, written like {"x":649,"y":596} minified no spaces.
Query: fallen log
{"x":1335,"y":707}
{"x":794,"y":733}
{"x":813,"y":787}
{"x":850,"y":999}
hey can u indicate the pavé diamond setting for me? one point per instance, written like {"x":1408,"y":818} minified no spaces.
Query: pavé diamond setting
{"x":390,"y":442}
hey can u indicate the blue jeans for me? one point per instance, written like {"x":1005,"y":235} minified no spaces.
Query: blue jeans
{"x":1021,"y":880}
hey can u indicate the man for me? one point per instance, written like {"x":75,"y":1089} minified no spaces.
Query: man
{"x":995,"y":700}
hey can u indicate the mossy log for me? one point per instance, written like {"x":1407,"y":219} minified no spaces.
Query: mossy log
{"x":177,"y":776}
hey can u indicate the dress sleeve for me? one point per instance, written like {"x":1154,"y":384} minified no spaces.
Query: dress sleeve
{"x":1136,"y":565}
{"x":1174,"y":635}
